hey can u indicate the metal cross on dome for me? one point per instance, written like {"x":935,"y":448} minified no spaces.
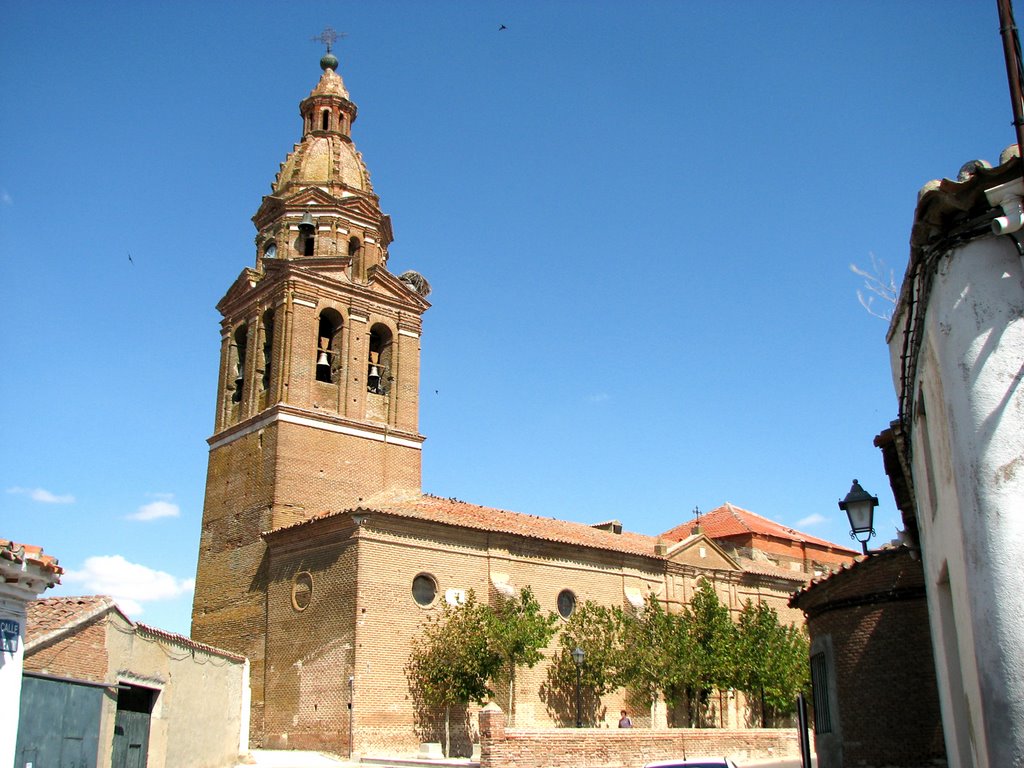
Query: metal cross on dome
{"x":328,"y":37}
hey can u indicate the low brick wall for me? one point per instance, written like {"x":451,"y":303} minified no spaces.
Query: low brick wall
{"x":626,"y":748}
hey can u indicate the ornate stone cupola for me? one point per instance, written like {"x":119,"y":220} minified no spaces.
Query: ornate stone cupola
{"x":328,"y":109}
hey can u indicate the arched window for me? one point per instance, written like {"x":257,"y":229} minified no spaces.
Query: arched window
{"x":378,"y":367}
{"x":270,"y":250}
{"x":328,"y":351}
{"x":326,"y":120}
{"x":355,"y":254}
{"x":241,"y":341}
{"x":268,"y":347}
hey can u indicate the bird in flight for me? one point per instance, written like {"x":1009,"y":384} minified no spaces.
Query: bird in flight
{"x":130,"y":261}
{"x":502,"y":27}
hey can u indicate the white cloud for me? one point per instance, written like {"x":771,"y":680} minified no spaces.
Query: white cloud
{"x":155,"y":510}
{"x":5,"y":197}
{"x":813,"y":519}
{"x":44,"y":496}
{"x":130,"y":584}
{"x":599,"y":397}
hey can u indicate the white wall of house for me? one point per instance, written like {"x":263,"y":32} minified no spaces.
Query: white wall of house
{"x":20,"y":582}
{"x":967,"y":438}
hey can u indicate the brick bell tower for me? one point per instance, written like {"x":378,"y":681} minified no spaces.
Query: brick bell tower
{"x":317,"y":397}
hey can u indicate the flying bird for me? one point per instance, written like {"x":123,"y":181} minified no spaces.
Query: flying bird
{"x":502,"y":27}
{"x":130,"y":261}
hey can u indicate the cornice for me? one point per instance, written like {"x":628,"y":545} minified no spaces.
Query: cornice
{"x":289,"y":414}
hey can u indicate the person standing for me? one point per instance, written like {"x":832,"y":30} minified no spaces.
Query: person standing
{"x":624,"y":721}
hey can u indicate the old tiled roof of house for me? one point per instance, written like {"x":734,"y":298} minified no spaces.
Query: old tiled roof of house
{"x":775,"y":571}
{"x":886,"y":572}
{"x":729,"y":520}
{"x":26,"y":554}
{"x":52,"y":614}
{"x":460,"y":513}
{"x":53,"y":617}
{"x":187,"y":642}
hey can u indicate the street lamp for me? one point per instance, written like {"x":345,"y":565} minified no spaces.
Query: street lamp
{"x":577,"y":656}
{"x":859,"y":506}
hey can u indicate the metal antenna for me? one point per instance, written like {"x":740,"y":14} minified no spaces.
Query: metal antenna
{"x":328,"y":37}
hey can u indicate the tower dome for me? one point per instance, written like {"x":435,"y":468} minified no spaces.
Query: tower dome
{"x":325,"y":157}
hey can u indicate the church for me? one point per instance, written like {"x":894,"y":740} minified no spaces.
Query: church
{"x":320,"y":555}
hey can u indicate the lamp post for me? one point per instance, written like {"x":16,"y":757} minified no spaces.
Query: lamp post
{"x":577,"y":656}
{"x":859,"y":506}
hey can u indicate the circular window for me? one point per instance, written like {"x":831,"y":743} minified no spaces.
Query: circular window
{"x":302,"y":590}
{"x":424,"y":590}
{"x":566,"y":603}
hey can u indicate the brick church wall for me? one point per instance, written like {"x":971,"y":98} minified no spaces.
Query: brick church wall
{"x":362,"y":597}
{"x":310,"y":622}
{"x":319,"y":471}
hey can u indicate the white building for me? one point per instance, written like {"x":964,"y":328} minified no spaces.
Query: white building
{"x":957,"y":353}
{"x":25,"y":573}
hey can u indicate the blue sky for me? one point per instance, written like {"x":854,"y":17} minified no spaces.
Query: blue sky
{"x":638,"y":221}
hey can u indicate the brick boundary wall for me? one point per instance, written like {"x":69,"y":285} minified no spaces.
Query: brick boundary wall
{"x":626,"y":748}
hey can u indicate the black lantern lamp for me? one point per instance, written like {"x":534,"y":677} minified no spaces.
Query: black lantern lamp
{"x":577,"y":656}
{"x":859,"y":506}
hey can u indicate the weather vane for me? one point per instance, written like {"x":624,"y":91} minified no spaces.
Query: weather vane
{"x":328,"y":37}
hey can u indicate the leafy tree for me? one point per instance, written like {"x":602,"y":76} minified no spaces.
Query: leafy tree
{"x":516,"y":633}
{"x":714,"y":645}
{"x":773,"y":659}
{"x":452,"y":660}
{"x":657,"y":653}
{"x":597,"y":630}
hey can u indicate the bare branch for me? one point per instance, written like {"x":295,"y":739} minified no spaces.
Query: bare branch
{"x":877,"y":285}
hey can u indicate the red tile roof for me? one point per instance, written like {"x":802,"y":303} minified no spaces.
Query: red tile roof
{"x":884,"y":572}
{"x":729,"y":520}
{"x":460,"y":513}
{"x":187,"y":642}
{"x":53,"y":614}
{"x":29,"y":555}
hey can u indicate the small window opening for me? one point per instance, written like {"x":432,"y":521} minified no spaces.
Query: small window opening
{"x":326,"y":120}
{"x":268,"y":346}
{"x":270,"y":250}
{"x":424,"y":590}
{"x":378,"y":367}
{"x":328,"y":346}
{"x":136,"y":698}
{"x":354,"y":246}
{"x":307,"y":246}
{"x":566,"y":603}
{"x":819,"y":692}
{"x":241,"y":342}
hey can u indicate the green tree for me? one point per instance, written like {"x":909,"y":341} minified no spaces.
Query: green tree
{"x":773,"y":660}
{"x":714,"y":647}
{"x":516,"y":633}
{"x":657,"y":656}
{"x":452,"y":659}
{"x":597,"y":630}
